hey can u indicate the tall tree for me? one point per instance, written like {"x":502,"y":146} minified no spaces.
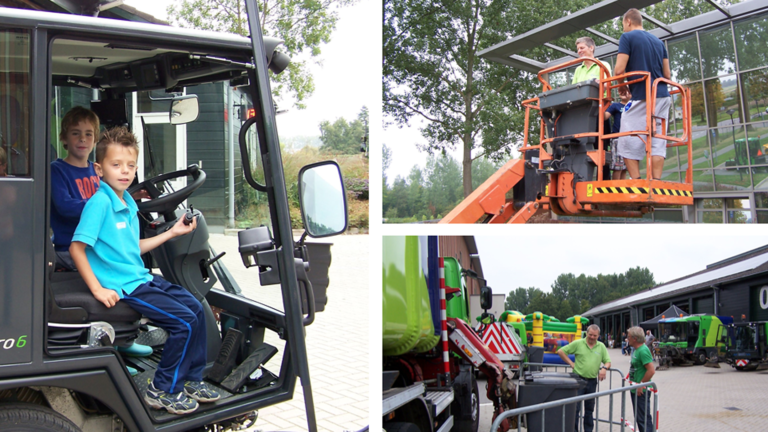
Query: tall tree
{"x":342,"y":136}
{"x":520,"y":298}
{"x":431,"y":70}
{"x":303,"y":26}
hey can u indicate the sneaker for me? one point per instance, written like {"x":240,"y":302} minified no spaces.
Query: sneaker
{"x":136,"y":350}
{"x":199,"y":391}
{"x":175,"y":403}
{"x":132,"y":370}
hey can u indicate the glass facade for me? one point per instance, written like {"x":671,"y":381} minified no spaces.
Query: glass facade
{"x":726,"y":68}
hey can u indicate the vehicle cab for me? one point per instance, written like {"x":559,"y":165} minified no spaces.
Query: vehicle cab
{"x":57,"y":347}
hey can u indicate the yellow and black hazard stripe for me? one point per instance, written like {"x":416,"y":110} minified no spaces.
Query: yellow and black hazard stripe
{"x":672,"y":192}
{"x":642,"y":190}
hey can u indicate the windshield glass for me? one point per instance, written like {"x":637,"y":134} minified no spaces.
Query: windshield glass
{"x":673,"y":331}
{"x":744,"y":338}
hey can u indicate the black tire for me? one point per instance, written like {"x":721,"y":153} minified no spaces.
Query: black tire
{"x":400,"y":427}
{"x":469,"y":403}
{"x":22,"y":417}
{"x":700,"y":358}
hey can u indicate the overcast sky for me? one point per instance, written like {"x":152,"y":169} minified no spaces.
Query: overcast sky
{"x":348,"y":78}
{"x":533,"y":259}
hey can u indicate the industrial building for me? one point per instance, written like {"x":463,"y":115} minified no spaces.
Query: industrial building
{"x":732,"y":287}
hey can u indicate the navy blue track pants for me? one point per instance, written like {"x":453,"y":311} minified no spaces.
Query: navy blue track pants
{"x":174,"y":309}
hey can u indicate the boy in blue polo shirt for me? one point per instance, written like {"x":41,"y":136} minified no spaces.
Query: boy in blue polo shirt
{"x":107,"y":252}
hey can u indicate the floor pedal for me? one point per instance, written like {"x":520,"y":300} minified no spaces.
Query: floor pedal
{"x":227,"y":358}
{"x":155,"y":336}
{"x":257,"y":358}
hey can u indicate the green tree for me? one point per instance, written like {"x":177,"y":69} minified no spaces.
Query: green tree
{"x":303,"y":26}
{"x":431,"y":70}
{"x":520,"y":298}
{"x":442,"y":178}
{"x":342,"y":137}
{"x":482,"y":169}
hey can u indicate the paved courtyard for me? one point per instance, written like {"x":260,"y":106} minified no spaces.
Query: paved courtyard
{"x":337,"y":342}
{"x":692,"y":398}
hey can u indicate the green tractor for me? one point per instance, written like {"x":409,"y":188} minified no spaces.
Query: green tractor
{"x":692,"y":339}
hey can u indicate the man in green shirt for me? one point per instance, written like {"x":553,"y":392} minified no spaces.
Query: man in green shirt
{"x":589,"y":355}
{"x":588,"y":69}
{"x":641,"y":369}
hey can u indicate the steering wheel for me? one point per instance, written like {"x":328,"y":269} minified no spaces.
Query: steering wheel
{"x":168,"y":203}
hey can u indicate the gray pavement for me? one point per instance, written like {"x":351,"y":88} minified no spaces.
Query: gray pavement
{"x":337,"y":342}
{"x":692,"y":398}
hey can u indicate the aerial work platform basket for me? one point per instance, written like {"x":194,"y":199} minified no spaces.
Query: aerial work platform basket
{"x":564,"y":171}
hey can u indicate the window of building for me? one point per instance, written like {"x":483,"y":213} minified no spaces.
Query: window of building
{"x":755,"y":93}
{"x":738,"y":210}
{"x":761,"y":206}
{"x":728,"y":146}
{"x":750,"y":42}
{"x":723,"y":104}
{"x":703,"y":181}
{"x":709,"y":210}
{"x":717,"y":54}
{"x":684,"y":59}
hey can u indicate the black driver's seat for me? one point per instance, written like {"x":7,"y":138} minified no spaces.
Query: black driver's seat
{"x":71,"y":308}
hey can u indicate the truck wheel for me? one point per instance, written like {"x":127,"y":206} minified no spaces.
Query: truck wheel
{"x":469,"y":404}
{"x":22,"y":417}
{"x":701,"y":357}
{"x":401,"y":427}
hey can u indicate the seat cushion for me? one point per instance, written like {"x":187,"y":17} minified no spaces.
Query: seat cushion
{"x":70,"y":290}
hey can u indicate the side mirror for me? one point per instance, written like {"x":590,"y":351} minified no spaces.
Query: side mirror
{"x":184,"y":109}
{"x":486,"y":298}
{"x":323,"y":199}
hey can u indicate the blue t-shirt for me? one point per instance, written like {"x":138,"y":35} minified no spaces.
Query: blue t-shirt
{"x":646,"y":53}
{"x":71,"y":187}
{"x":110,"y":229}
{"x":616,"y":109}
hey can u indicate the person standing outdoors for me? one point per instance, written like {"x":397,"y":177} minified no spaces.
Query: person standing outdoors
{"x":641,"y":370}
{"x":589,"y":355}
{"x":642,"y":51}
{"x":649,"y":338}
{"x":588,"y":69}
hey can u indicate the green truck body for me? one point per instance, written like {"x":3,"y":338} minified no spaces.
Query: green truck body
{"x":692,"y":338}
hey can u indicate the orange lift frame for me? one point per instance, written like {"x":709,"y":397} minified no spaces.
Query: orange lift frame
{"x":609,"y":198}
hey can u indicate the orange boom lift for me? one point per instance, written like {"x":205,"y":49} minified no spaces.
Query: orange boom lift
{"x":568,"y":179}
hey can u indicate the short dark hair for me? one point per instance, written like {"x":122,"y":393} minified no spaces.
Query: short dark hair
{"x":76,"y":115}
{"x":634,"y":16}
{"x":117,"y":135}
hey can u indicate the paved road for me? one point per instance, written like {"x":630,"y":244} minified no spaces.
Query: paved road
{"x":691,"y":398}
{"x":337,"y":342}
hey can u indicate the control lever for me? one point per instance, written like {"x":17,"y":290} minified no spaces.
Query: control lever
{"x":189,"y":216}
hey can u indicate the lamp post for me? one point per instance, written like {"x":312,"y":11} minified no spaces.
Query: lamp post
{"x":736,"y":156}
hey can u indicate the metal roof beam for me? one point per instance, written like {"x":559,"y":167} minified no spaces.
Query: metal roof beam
{"x":720,"y":8}
{"x":562,"y":50}
{"x":602,"y":36}
{"x":569,"y":24}
{"x":656,"y":22}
